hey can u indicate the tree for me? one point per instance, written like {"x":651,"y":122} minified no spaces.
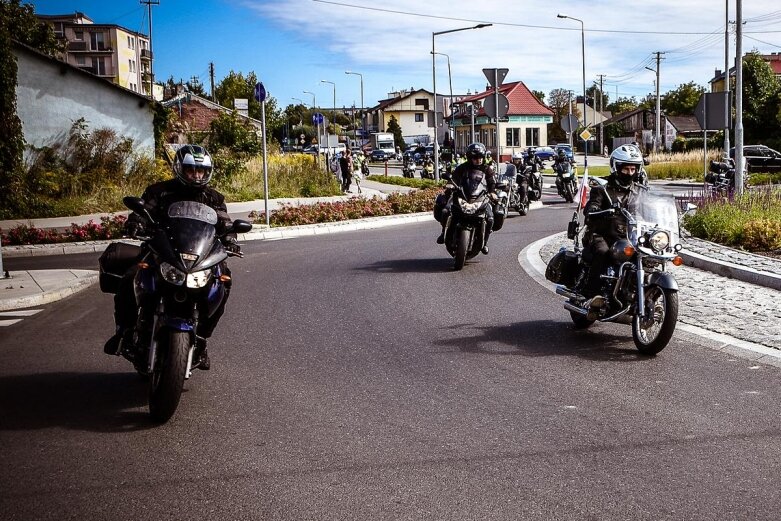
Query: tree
{"x":559,"y":103}
{"x":395,"y":129}
{"x":17,"y":22}
{"x":236,"y":85}
{"x":196,"y":87}
{"x":761,"y":103}
{"x":592,"y":93}
{"x":683,"y":100}
{"x":622,"y":105}
{"x":540,"y":95}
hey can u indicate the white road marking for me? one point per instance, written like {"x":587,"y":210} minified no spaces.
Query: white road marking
{"x":4,"y":323}
{"x":20,"y":313}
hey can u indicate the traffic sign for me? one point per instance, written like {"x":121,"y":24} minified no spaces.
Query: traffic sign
{"x":260,"y":92}
{"x":490,"y":106}
{"x":711,"y":111}
{"x":569,"y":123}
{"x":585,"y":135}
{"x":495,"y":77}
{"x":317,"y":118}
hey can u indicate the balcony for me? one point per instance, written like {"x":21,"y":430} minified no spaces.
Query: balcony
{"x":146,"y":54}
{"x":77,"y":46}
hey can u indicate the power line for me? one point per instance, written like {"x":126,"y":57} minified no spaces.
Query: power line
{"x":760,"y":41}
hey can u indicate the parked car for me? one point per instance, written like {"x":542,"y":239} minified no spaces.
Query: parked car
{"x":760,"y":158}
{"x":379,"y":155}
{"x":567,"y":150}
{"x":544,"y":153}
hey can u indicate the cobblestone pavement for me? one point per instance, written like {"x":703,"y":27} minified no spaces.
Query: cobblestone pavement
{"x":724,"y":254}
{"x":719,"y":304}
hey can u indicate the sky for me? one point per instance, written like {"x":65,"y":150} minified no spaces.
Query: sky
{"x":292,"y":45}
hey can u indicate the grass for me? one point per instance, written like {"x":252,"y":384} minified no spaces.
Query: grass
{"x":751,"y":221}
{"x":405,"y":181}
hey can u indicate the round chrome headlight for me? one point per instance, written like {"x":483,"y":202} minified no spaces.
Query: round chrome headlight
{"x":659,"y":241}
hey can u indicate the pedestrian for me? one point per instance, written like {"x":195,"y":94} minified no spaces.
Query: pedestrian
{"x":605,"y":151}
{"x":346,"y":166}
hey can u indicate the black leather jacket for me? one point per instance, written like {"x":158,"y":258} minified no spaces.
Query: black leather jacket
{"x":611,"y":228}
{"x":464,"y":168}
{"x":159,"y":196}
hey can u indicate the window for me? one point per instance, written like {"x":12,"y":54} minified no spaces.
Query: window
{"x":513,"y":137}
{"x":79,"y":35}
{"x":532,"y":137}
{"x":99,"y":66}
{"x":422,"y":102}
{"x":80,"y":60}
{"x":97,"y":41}
{"x":418,"y":117}
{"x":58,"y":29}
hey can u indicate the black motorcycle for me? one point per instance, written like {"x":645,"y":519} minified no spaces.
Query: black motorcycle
{"x":515,"y":198}
{"x":466,"y":225}
{"x":532,"y":173}
{"x":636,"y":288}
{"x":180,"y":278}
{"x":408,"y":168}
{"x":566,"y":181}
{"x":721,"y":177}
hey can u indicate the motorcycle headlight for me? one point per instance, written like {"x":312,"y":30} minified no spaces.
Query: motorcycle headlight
{"x":171,"y":274}
{"x":659,"y":241}
{"x":468,"y":208}
{"x":198,"y":279}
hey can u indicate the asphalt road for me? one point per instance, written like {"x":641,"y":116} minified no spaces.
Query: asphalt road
{"x":356,"y":376}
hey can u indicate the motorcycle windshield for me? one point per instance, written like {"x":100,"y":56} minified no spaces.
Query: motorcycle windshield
{"x":191,"y":232}
{"x":474,"y":183}
{"x":653,"y":209}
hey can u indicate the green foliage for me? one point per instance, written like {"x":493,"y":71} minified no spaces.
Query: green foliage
{"x":405,"y":181}
{"x":160,"y":121}
{"x":559,"y":103}
{"x":622,"y":105}
{"x":110,"y":227}
{"x":354,"y":208}
{"x":683,"y":100}
{"x":688,"y":144}
{"x":751,"y":221}
{"x":539,"y":95}
{"x":395,"y":129}
{"x":231,"y":132}
{"x":761,"y":99}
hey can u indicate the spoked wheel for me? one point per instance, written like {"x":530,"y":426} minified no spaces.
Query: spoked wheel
{"x":461,"y":249}
{"x":652,"y":333}
{"x":167,"y":379}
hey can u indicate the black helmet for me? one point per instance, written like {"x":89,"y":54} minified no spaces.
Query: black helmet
{"x":476,"y":150}
{"x":193,"y":166}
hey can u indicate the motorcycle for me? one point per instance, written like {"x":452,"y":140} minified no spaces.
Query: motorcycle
{"x":408,"y":168}
{"x":466,"y":225}
{"x":427,"y":172}
{"x":566,"y":181}
{"x":535,"y":181}
{"x":515,"y":200}
{"x":180,"y":277}
{"x":721,"y":177}
{"x":636,"y":287}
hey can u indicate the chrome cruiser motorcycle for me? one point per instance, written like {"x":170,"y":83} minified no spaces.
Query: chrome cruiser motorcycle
{"x":465,"y":228}
{"x":180,"y":278}
{"x":637,"y":288}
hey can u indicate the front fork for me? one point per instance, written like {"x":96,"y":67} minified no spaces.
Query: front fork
{"x":175,"y":324}
{"x":640,"y":288}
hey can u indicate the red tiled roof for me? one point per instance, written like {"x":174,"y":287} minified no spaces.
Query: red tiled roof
{"x":522,"y":101}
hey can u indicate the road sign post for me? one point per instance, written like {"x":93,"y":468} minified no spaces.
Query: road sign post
{"x":260,"y":96}
{"x":499,"y":104}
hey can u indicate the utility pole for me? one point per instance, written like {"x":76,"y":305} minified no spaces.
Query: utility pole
{"x":211,"y":80}
{"x":738,"y":97}
{"x":728,"y":107}
{"x":658,"y":121}
{"x":601,"y":108}
{"x":149,"y":4}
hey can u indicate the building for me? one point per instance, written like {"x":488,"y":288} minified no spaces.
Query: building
{"x":525,"y":125}
{"x":195,"y":115}
{"x":112,"y":52}
{"x":717,"y":82}
{"x":413,"y":109}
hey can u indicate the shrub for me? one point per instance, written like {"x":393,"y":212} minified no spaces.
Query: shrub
{"x":108,"y":228}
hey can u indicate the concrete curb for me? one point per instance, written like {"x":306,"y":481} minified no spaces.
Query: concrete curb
{"x":82,"y":280}
{"x":730,"y":270}
{"x":258,"y":233}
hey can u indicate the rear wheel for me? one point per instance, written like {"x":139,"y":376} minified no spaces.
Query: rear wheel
{"x":461,"y":249}
{"x":652,"y":333}
{"x":167,"y":379}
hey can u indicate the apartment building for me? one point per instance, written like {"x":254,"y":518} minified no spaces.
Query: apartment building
{"x":110,"y":51}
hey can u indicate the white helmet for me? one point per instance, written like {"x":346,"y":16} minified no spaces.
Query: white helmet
{"x":623,"y":156}
{"x":193,"y":166}
{"x":517,"y":156}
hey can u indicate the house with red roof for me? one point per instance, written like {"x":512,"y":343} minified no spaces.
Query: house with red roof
{"x":525,"y":125}
{"x":717,"y":82}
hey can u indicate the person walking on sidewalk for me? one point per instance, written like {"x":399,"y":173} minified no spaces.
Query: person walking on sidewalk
{"x":346,"y":167}
{"x":193,"y":170}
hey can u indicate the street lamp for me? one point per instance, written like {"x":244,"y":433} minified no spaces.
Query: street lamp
{"x":363,"y":116}
{"x":434,"y":76}
{"x":450,"y":81}
{"x":583,"y":54}
{"x":314,"y":108}
{"x":333,"y":113}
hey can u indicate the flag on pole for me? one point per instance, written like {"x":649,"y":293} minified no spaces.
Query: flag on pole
{"x":583,"y":191}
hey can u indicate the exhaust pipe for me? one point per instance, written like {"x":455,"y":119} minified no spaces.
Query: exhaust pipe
{"x":561,"y":290}
{"x":575,"y":309}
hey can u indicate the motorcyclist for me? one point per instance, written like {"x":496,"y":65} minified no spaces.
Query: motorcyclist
{"x":521,"y":178}
{"x":475,"y":160}
{"x":561,"y":165}
{"x":192,"y":167}
{"x":626,"y":163}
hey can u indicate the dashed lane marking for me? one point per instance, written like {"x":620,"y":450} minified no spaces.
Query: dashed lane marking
{"x":20,"y":313}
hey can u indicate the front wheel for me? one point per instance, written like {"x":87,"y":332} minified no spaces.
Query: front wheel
{"x":652,"y":333}
{"x":523,"y":207}
{"x":167,"y":379}
{"x":461,"y":249}
{"x":569,"y":194}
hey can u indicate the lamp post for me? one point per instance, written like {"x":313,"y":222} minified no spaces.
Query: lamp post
{"x":333,"y":117}
{"x":314,"y":108}
{"x":450,"y":82}
{"x":583,"y":54}
{"x":363,"y":116}
{"x":434,"y":77}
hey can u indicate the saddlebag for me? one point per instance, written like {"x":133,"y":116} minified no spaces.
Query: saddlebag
{"x":563,"y":268}
{"x":115,"y":262}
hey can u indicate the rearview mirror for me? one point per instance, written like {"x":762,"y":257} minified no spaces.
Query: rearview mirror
{"x":241,"y":226}
{"x":137,"y":205}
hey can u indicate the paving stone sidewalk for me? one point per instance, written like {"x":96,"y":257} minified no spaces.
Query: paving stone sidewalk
{"x":720,"y":304}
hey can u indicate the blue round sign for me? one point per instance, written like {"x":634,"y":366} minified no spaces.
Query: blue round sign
{"x":260,"y":92}
{"x":317,"y":118}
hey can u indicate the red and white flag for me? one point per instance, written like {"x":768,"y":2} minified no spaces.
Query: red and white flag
{"x":583,"y":191}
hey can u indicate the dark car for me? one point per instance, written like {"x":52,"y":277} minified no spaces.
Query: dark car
{"x":759,"y":158}
{"x":379,"y":155}
{"x":567,"y":150}
{"x":541,"y":153}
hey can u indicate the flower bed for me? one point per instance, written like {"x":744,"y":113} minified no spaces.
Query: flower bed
{"x":108,"y":228}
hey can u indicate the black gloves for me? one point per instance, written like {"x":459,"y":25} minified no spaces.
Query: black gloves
{"x":134,"y":229}
{"x":231,"y":245}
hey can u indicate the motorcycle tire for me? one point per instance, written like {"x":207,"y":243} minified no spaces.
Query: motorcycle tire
{"x":167,"y":379}
{"x":462,"y":249}
{"x":523,"y":208}
{"x":651,"y":336}
{"x":569,"y":195}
